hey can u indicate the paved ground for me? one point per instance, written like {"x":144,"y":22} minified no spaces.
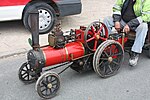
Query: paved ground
{"x":13,"y":36}
{"x":128,"y":84}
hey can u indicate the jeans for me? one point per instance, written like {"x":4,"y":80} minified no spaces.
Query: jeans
{"x":141,"y":32}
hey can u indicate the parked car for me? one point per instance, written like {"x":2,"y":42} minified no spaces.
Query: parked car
{"x":48,"y":10}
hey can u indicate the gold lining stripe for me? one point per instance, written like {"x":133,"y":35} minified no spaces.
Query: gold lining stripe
{"x":67,"y":54}
{"x":82,"y":47}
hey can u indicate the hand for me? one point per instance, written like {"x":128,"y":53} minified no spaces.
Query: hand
{"x":117,"y":26}
{"x":126,"y":28}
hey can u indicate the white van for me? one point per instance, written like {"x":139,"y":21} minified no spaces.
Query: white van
{"x":48,"y":11}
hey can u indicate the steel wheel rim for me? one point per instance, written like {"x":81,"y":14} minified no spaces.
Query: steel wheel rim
{"x":44,"y":19}
{"x":103,"y":64}
{"x":95,"y":54}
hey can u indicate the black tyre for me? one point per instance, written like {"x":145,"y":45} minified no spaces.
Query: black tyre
{"x":47,"y":16}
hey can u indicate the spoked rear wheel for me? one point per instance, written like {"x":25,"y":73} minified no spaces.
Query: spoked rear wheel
{"x":95,"y":54}
{"x":48,"y":85}
{"x":108,"y":58}
{"x":95,"y":33}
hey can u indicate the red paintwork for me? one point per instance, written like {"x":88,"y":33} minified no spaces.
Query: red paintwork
{"x":120,"y":40}
{"x":80,"y":34}
{"x":73,"y":50}
{"x":16,"y":2}
{"x":95,"y":35}
{"x":13,"y":2}
{"x":56,"y":56}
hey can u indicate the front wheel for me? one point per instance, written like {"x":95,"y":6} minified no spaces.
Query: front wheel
{"x":48,"y":85}
{"x":27,"y":74}
{"x":47,"y":16}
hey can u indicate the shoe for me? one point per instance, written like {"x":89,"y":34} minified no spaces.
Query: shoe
{"x":133,"y":59}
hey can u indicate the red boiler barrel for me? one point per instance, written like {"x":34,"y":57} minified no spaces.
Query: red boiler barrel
{"x":71,"y":51}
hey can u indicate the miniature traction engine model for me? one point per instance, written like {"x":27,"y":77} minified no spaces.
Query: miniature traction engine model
{"x":86,"y":48}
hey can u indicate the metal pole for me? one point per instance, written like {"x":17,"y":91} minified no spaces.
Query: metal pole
{"x":34,"y":22}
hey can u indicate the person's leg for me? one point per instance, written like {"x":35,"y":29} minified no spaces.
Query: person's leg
{"x":141,"y":33}
{"x":108,"y":21}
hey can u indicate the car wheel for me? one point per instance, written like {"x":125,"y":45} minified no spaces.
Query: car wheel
{"x":47,"y":16}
